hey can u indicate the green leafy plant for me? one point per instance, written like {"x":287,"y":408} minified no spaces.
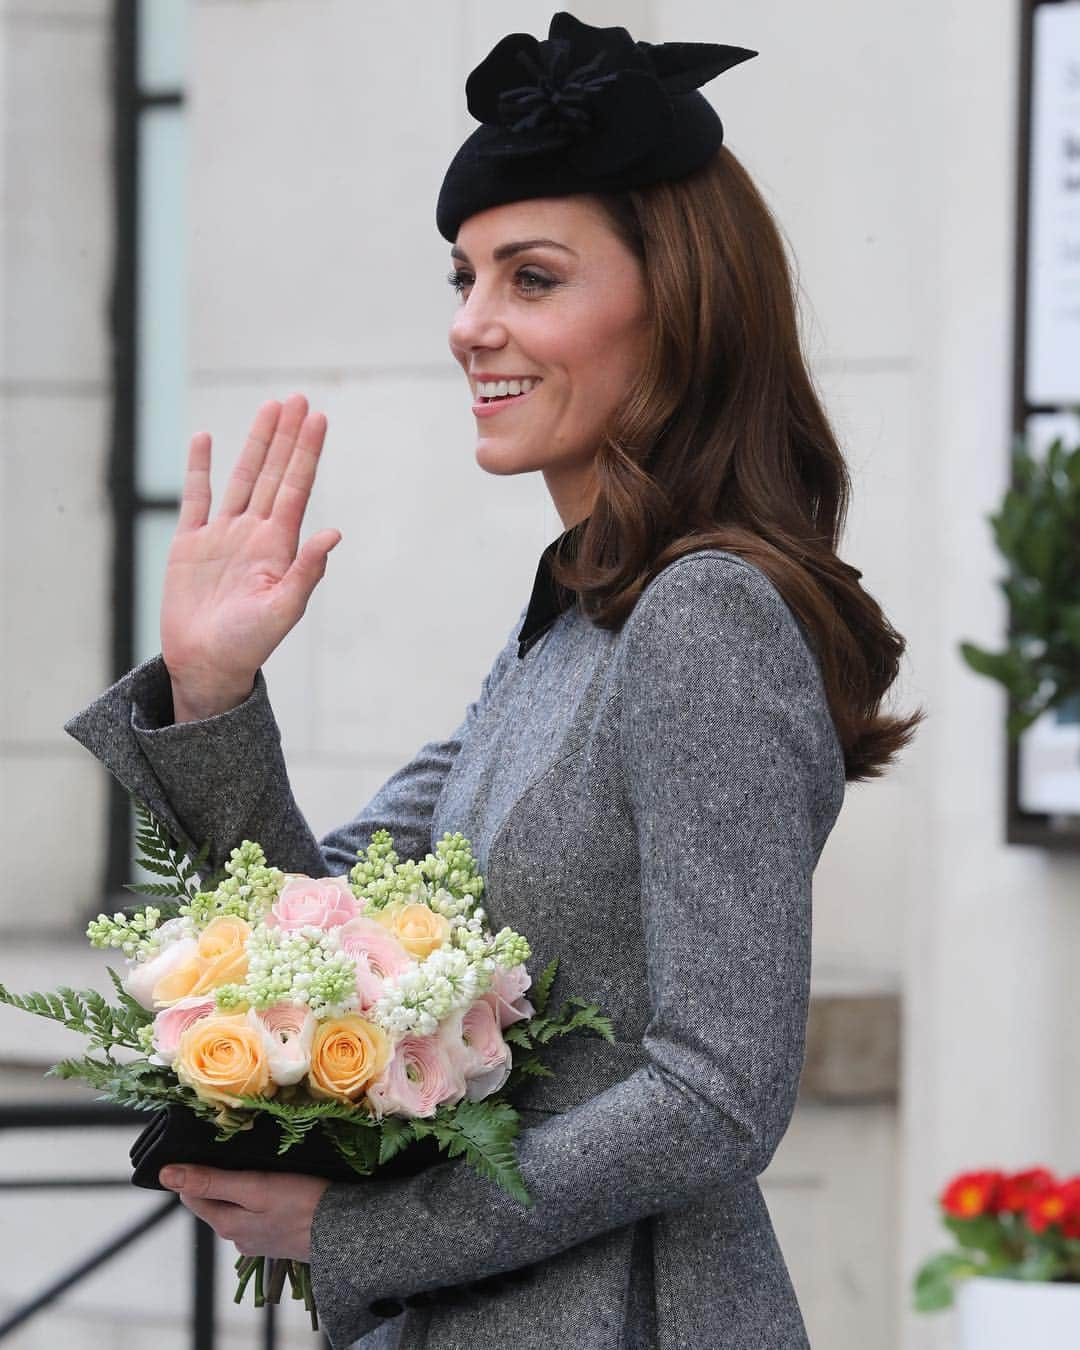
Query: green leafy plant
{"x":1037,"y":531}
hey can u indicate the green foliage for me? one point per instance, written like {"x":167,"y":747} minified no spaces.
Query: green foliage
{"x":88,"y":1012}
{"x":484,"y":1132}
{"x":935,"y":1280}
{"x":1037,"y":531}
{"x":574,"y":1015}
{"x":160,"y":854}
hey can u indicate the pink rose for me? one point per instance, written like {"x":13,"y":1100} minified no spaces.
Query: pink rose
{"x":317,"y":902}
{"x":421,"y":1075}
{"x":507,"y":987}
{"x":473,"y":1038}
{"x":378,"y":956}
{"x":171,"y":1022}
{"x":288,"y":1030}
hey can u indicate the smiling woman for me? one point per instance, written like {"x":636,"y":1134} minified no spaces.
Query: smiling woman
{"x":653,"y":763}
{"x":549,"y":294}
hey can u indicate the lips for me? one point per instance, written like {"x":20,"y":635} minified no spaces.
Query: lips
{"x":484,"y":406}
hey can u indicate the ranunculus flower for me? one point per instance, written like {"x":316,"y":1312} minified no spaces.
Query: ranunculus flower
{"x":223,"y":1057}
{"x":289,"y":1030}
{"x":172,"y":1022}
{"x":419,"y":930}
{"x":505,"y":994}
{"x":347,"y":1054}
{"x":363,"y":937}
{"x":971,"y":1194}
{"x":144,"y":975}
{"x":220,"y":958}
{"x":421,"y":1075}
{"x":473,"y":1037}
{"x":317,"y":902}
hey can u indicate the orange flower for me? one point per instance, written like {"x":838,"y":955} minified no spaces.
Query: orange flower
{"x":971,"y":1194}
{"x":221,"y":958}
{"x":347,"y":1054}
{"x":224,"y":1058}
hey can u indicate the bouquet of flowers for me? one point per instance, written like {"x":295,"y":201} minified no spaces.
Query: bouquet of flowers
{"x":358,"y":1022}
{"x":1012,"y":1225}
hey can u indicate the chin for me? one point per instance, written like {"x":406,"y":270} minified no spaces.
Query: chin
{"x":495,"y":456}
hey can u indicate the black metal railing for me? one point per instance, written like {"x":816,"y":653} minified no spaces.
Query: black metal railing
{"x":74,"y":1116}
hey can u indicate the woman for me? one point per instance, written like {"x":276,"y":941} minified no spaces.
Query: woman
{"x":655,"y":759}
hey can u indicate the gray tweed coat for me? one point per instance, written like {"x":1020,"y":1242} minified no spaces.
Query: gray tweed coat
{"x":650,"y":806}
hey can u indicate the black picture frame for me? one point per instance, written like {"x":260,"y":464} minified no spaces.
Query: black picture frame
{"x":1040,"y":829}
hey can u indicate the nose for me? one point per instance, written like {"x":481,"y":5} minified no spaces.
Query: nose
{"x":478,"y":322}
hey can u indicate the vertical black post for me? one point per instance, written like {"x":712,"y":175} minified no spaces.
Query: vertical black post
{"x":270,"y":1327}
{"x":203,"y":1288}
{"x":122,"y":324}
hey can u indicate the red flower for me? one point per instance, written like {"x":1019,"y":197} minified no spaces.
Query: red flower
{"x":971,"y":1194}
{"x":1070,"y":1221}
{"x":1047,"y":1207}
{"x":1018,"y":1187}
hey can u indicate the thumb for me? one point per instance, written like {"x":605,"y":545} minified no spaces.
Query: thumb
{"x":214,"y":1183}
{"x":309,"y":567}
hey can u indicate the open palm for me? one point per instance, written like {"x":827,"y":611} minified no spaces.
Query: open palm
{"x":235,"y":585}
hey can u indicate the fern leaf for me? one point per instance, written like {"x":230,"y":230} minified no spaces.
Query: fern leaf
{"x":542,"y":988}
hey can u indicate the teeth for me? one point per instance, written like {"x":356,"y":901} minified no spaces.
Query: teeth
{"x":504,"y":388}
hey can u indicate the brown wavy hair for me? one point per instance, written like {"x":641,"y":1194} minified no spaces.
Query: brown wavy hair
{"x":725,"y":444}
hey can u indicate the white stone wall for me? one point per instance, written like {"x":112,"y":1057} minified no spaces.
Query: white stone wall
{"x":883,"y":136}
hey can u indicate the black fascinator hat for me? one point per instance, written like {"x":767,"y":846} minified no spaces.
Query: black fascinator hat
{"x":588,"y":110}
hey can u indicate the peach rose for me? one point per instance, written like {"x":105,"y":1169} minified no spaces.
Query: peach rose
{"x":172,"y":1022}
{"x":142,"y":976}
{"x":347,"y":1053}
{"x":422,"y":1074}
{"x":220,"y":958}
{"x":223,"y":1057}
{"x":419,"y":930}
{"x":316,"y":902}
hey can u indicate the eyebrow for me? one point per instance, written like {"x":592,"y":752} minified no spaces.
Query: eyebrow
{"x":505,"y":251}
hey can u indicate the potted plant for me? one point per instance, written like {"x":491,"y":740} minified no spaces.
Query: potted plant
{"x":1037,"y":530}
{"x":1014,"y":1273}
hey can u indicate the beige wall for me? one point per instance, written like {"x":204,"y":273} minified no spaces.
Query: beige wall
{"x":883,"y":136}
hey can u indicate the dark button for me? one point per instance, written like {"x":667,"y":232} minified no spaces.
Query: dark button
{"x":386,"y":1307}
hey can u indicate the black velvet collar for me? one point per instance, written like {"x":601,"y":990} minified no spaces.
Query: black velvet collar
{"x":548,"y":600}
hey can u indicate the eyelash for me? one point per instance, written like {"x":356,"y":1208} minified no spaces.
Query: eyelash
{"x":459,"y":278}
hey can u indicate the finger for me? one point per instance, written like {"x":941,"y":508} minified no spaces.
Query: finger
{"x":195,"y":501}
{"x":308,"y":569}
{"x":277,"y":459}
{"x":202,"y":1184}
{"x":246,"y":469}
{"x":295,"y":490}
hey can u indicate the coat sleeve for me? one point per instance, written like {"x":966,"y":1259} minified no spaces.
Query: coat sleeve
{"x":731,"y":771}
{"x":223,"y":779}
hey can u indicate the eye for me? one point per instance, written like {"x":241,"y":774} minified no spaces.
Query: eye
{"x":531,"y":281}
{"x":459,"y":278}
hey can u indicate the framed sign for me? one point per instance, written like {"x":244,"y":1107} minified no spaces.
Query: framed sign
{"x":1052,"y":365}
{"x":1043,"y":789}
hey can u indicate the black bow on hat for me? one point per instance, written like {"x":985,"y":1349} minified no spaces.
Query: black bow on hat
{"x":589,"y":109}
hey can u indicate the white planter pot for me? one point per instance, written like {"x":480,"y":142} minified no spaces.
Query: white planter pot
{"x":1016,"y":1315}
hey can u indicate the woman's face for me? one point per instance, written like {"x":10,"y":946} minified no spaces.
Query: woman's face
{"x":553,"y":300}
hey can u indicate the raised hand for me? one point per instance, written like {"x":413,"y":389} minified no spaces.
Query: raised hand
{"x":235,"y":585}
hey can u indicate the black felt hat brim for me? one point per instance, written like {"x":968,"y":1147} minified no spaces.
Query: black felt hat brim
{"x":477,"y":180}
